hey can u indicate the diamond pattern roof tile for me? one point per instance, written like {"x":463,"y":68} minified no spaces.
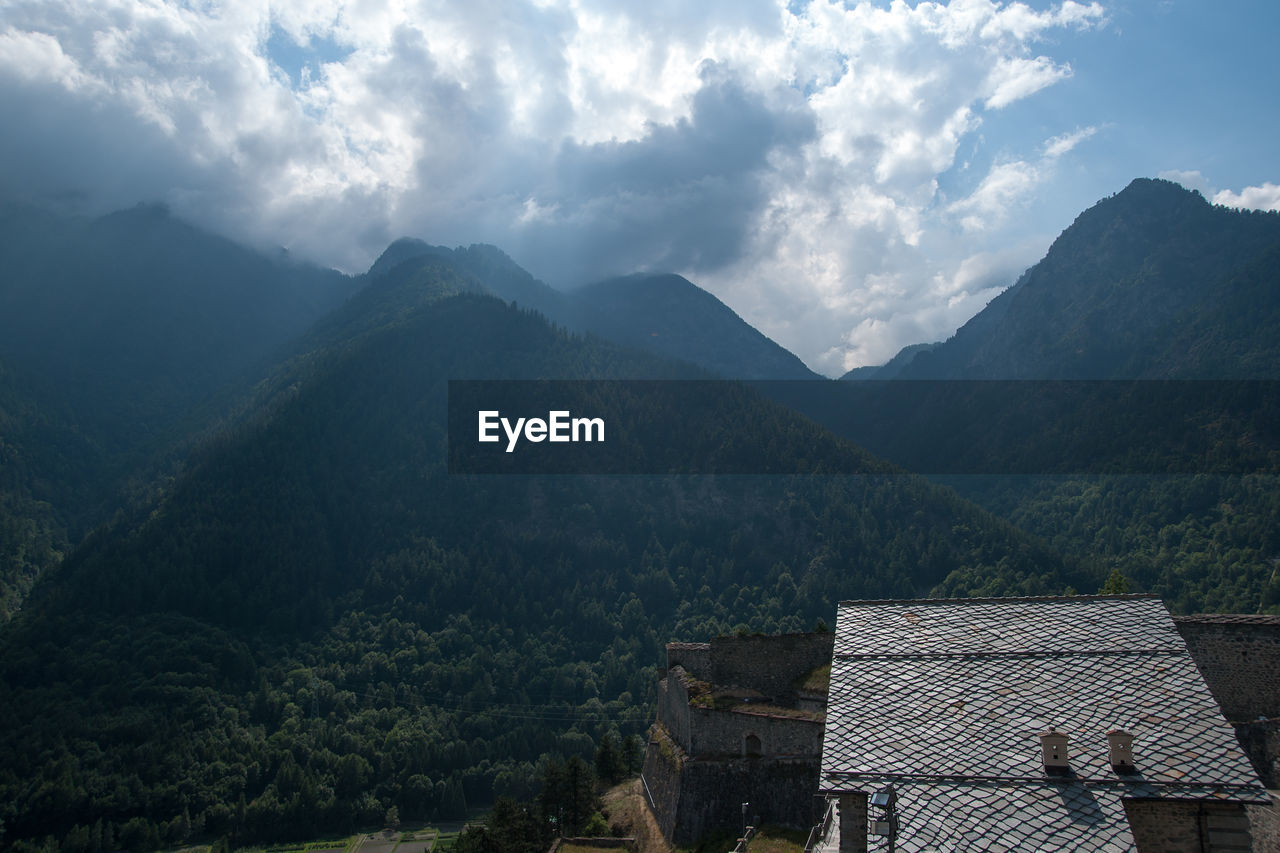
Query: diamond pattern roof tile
{"x":946,"y":700}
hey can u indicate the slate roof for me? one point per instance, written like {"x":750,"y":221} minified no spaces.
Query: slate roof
{"x":946,"y":699}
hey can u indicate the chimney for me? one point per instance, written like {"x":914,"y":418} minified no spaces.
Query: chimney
{"x":1120,"y":750}
{"x":1053,"y":747}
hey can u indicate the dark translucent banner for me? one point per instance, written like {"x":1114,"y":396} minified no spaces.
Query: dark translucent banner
{"x":817,"y":427}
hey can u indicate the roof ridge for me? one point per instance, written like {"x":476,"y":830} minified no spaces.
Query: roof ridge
{"x":1132,"y":596}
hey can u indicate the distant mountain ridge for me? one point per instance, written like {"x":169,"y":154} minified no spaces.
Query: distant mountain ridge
{"x":1151,"y":283}
{"x":662,"y":313}
{"x":117,"y":334}
{"x":892,"y":368}
{"x":669,"y":315}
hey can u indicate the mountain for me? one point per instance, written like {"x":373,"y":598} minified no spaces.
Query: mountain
{"x":489,"y":265}
{"x":670,"y":316}
{"x":663,"y":314}
{"x":313,"y":619}
{"x":891,"y":369}
{"x":139,"y":306}
{"x":316,"y":621}
{"x":117,"y":335}
{"x":1151,"y":283}
{"x":129,"y":321}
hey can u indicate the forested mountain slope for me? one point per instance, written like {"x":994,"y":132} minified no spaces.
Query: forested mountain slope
{"x":1151,"y":283}
{"x":661,"y":313}
{"x":317,"y":622}
{"x":116,"y":336}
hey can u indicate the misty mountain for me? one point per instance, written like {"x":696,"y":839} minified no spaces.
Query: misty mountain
{"x":659,"y":313}
{"x":1151,"y":283}
{"x":891,"y":369}
{"x":129,"y":321}
{"x":311,"y":620}
{"x":121,"y":336}
{"x":489,"y":265}
{"x":140,"y":305}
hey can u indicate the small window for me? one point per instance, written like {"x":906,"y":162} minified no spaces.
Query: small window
{"x":751,"y":746}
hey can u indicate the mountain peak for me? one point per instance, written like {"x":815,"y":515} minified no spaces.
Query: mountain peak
{"x":1147,"y":283}
{"x":668,"y":314}
{"x":400,"y":251}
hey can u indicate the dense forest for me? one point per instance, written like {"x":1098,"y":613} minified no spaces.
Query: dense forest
{"x":274,"y":613}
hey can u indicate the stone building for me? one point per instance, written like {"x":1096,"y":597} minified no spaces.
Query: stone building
{"x":1075,"y":723}
{"x":739,"y":720}
{"x":1239,"y":657}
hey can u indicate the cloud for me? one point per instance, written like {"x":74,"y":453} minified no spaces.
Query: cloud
{"x":1189,"y":178}
{"x":1265,"y":197}
{"x":1060,"y":145}
{"x":1004,"y":185}
{"x":788,"y":156}
{"x":1015,"y":78}
{"x":1007,"y":185}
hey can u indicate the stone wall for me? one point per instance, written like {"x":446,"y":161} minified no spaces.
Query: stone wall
{"x":1239,"y":657}
{"x":1264,"y":826}
{"x":770,"y":664}
{"x":694,"y":657}
{"x":853,"y":823}
{"x":1181,"y":826}
{"x":711,"y":733}
{"x":703,"y":763}
{"x":661,"y":777}
{"x":1260,"y":740}
{"x":673,"y":707}
{"x":722,"y":734}
{"x":694,"y":797}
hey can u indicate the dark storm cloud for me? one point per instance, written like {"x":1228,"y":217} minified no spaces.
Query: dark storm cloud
{"x":684,"y":196}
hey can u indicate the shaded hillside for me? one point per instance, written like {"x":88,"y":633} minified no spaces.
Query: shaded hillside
{"x":1153,"y":282}
{"x":318,"y":622}
{"x":116,"y":335}
{"x":669,"y":315}
{"x":487,"y":264}
{"x":891,"y":369}
{"x":37,"y":445}
{"x":664,"y":314}
{"x":136,"y":315}
{"x":126,"y":322}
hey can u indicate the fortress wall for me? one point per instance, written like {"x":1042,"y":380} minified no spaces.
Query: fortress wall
{"x":1239,"y":657}
{"x":1264,"y":826}
{"x":695,"y":658}
{"x":1260,"y":740}
{"x":673,"y":707}
{"x":662,"y":775}
{"x":712,"y":793}
{"x":722,"y":734}
{"x":1185,"y":826}
{"x":770,"y":664}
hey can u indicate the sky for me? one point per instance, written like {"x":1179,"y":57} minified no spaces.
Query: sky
{"x":850,"y":178}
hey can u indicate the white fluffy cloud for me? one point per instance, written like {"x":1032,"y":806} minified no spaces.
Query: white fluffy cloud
{"x":1265,"y":197}
{"x":788,"y":156}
